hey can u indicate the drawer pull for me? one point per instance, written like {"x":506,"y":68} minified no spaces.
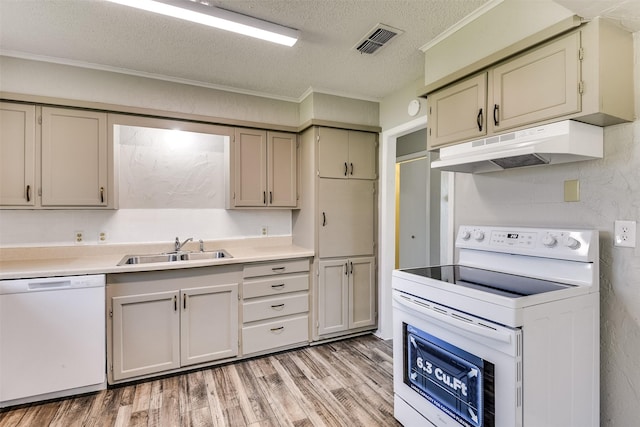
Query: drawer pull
{"x":278,"y":268}
{"x":278,"y":286}
{"x":278,"y":329}
{"x":278,"y":306}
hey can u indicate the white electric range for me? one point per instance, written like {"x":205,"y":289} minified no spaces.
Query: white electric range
{"x":507,"y":337}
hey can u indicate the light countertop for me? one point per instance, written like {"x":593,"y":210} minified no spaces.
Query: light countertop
{"x":25,"y":263}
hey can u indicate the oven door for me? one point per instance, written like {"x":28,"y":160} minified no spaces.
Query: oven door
{"x":453,"y":369}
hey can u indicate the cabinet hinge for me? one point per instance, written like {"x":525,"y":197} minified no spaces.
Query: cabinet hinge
{"x":39,"y":120}
{"x":110,"y":312}
{"x":318,"y":138}
{"x":111,"y":367}
{"x":297,"y":144}
{"x":581,"y":54}
{"x":429,"y":131}
{"x":317,"y":324}
{"x":581,"y":88}
{"x":429,"y":110}
{"x":234,"y":195}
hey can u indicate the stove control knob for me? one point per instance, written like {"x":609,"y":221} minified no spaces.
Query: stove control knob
{"x":478,"y":235}
{"x":465,"y":235}
{"x":571,"y":243}
{"x":549,"y":241}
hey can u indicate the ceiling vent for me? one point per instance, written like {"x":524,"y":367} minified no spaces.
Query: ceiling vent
{"x":375,"y":39}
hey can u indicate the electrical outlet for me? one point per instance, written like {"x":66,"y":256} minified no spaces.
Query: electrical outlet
{"x":102,"y":237}
{"x":78,"y":237}
{"x":625,"y":234}
{"x":264,"y":230}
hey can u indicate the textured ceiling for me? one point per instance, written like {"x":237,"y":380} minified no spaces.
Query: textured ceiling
{"x":110,"y":36}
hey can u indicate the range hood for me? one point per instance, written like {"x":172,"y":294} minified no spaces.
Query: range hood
{"x":561,"y":142}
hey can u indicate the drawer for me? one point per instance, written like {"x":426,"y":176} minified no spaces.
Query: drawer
{"x":276,"y":267}
{"x":275,"y":285}
{"x":267,"y":308}
{"x":271,"y":335}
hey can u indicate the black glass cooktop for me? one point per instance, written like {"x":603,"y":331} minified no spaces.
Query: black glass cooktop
{"x":504,"y":284}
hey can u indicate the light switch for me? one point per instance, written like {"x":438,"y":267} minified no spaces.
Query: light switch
{"x":572,"y":190}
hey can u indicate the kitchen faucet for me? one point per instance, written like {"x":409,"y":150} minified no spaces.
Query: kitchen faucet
{"x":180,"y":245}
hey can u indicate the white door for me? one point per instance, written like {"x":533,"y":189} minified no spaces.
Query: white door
{"x":412,"y":231}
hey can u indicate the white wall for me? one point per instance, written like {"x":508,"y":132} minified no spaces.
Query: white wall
{"x":609,"y":190}
{"x":20,"y":228}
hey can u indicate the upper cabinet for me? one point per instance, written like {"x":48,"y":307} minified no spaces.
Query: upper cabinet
{"x":74,"y":158}
{"x":346,"y":154}
{"x":537,"y":86}
{"x":566,"y":78}
{"x":458,"y":112}
{"x":17,"y":155}
{"x":53,"y":158}
{"x":264,"y":169}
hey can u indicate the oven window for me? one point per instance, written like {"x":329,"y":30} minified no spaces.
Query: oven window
{"x":455,"y":381}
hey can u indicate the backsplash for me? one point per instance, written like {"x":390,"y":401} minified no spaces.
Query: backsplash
{"x":20,"y":228}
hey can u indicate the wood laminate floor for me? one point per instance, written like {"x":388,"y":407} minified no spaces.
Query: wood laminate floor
{"x":344,"y":383}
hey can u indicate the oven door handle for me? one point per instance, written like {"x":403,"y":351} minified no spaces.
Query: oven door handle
{"x":453,"y":322}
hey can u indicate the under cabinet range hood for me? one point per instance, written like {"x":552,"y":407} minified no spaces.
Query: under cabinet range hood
{"x":561,"y":142}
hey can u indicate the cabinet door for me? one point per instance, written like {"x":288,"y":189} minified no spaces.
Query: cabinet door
{"x":457,"y":112}
{"x":362,"y":155}
{"x":362,"y":292}
{"x":537,"y":86}
{"x":346,"y":217}
{"x":146,"y":334}
{"x":282,"y":169}
{"x":74,"y":158}
{"x":17,"y":154}
{"x":333,"y":153}
{"x":249,"y":167}
{"x":333,"y":297}
{"x":209,"y":323}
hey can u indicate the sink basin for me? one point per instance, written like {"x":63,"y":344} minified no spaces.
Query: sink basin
{"x":174,"y":256}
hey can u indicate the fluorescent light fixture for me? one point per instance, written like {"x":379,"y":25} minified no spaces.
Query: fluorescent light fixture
{"x":217,"y":18}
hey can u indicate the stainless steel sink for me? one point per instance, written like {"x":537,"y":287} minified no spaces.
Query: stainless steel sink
{"x":174,"y":256}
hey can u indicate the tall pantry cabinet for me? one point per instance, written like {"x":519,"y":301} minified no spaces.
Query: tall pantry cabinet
{"x":337,"y":218}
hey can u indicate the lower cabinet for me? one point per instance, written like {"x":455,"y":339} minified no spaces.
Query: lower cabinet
{"x":176,"y":326}
{"x":167,"y":321}
{"x":346,"y":295}
{"x":275,"y":306}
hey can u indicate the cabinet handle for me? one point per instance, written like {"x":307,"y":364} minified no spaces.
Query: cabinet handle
{"x":479,"y":119}
{"x":184,"y":301}
{"x":324,"y":219}
{"x":496,"y":114}
{"x":351,"y":168}
{"x":101,"y":194}
{"x":278,"y":268}
{"x":278,"y":306}
{"x":264,"y":197}
{"x":270,"y":197}
{"x":346,"y":168}
{"x":346,"y":268}
{"x":279,"y":328}
{"x":28,"y":193}
{"x":175,"y":303}
{"x":278,"y":286}
{"x":351,"y":265}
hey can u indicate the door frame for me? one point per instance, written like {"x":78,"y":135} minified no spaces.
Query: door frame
{"x":386,"y":224}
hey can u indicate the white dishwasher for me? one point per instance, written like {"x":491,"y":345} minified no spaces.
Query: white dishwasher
{"x":52,"y":338}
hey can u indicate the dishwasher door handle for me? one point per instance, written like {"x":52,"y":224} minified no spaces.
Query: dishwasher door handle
{"x":39,"y":286}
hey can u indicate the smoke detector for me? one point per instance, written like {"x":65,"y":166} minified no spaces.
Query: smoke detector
{"x":376,"y":38}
